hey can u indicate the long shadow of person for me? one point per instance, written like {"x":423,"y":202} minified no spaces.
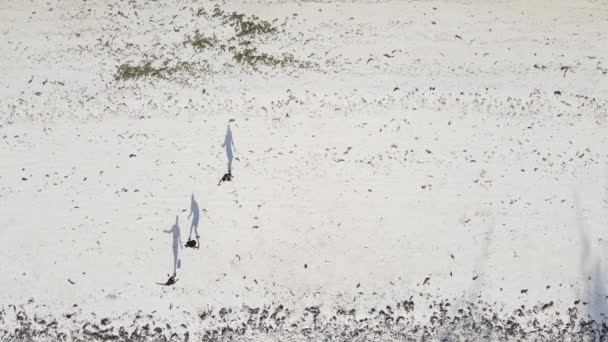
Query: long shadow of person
{"x":177,"y":241}
{"x":195,"y":213}
{"x":229,"y":145}
{"x":594,"y":291}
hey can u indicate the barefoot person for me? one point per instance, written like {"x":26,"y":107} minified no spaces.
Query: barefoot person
{"x":229,"y":144}
{"x":177,"y":241}
{"x":194,"y":212}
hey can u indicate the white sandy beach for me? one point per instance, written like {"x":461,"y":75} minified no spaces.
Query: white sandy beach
{"x":424,"y":151}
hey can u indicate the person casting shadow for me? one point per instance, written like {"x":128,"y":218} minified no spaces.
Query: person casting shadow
{"x":229,"y":144}
{"x":227,"y":177}
{"x":177,"y":241}
{"x":195,"y":213}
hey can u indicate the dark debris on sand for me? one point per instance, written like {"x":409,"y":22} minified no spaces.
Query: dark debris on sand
{"x":446,"y":322}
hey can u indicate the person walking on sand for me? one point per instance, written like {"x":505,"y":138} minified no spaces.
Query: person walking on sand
{"x":229,"y":144}
{"x":195,"y":213}
{"x":177,"y":241}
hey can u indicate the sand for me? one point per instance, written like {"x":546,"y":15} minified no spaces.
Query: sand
{"x":426,"y":170}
